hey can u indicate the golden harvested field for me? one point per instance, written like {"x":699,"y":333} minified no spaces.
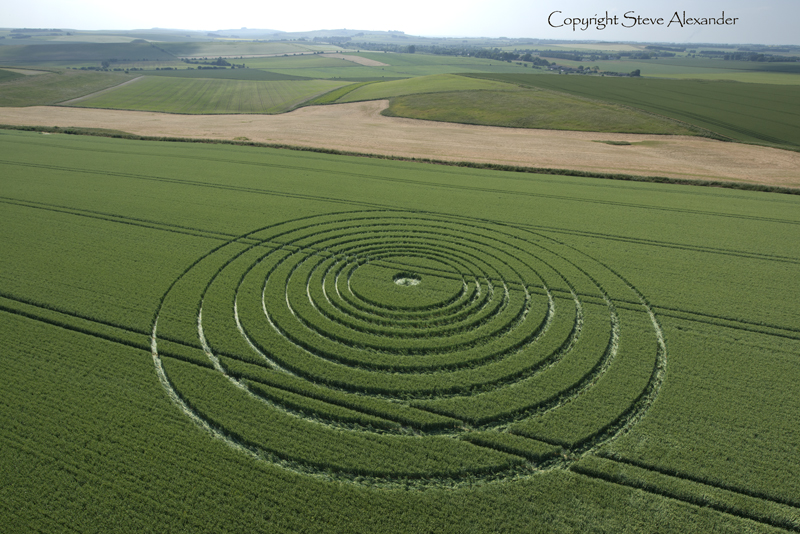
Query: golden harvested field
{"x":359,"y":127}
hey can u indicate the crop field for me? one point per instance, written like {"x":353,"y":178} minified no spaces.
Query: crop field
{"x":54,"y":87}
{"x":422,"y":84}
{"x":524,"y":109}
{"x":399,"y":65}
{"x":313,"y":66}
{"x":220,"y":338}
{"x":224,"y":74}
{"x":88,"y":38}
{"x":752,"y":113}
{"x":235,"y":49}
{"x":206,"y":96}
{"x":78,"y":53}
{"x":705,"y":65}
{"x":698,"y":69}
{"x":7,"y":75}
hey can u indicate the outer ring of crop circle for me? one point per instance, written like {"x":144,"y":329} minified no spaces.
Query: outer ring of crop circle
{"x":653,"y":387}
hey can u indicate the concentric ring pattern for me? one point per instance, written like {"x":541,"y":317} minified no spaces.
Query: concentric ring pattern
{"x":395,"y":346}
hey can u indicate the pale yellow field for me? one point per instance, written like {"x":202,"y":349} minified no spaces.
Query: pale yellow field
{"x":357,"y":59}
{"x":26,"y":72}
{"x":359,"y":127}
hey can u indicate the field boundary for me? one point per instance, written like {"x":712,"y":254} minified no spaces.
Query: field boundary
{"x":101,"y":91}
{"x":468,"y":164}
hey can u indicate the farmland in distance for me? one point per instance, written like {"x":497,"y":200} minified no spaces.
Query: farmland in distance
{"x":746,"y":112}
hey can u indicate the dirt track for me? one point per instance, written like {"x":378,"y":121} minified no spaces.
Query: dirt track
{"x":359,"y":127}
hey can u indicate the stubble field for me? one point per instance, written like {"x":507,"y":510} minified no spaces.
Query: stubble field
{"x":359,"y":127}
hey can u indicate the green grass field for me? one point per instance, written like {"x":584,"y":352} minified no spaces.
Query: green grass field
{"x":698,"y":69}
{"x":717,"y":64}
{"x":69,"y":54}
{"x":224,"y":74}
{"x":216,"y":338}
{"x":751,"y":113}
{"x":207,"y":96}
{"x":528,"y":109}
{"x":399,"y":65}
{"x":423,"y":84}
{"x":54,"y":87}
{"x":7,"y":75}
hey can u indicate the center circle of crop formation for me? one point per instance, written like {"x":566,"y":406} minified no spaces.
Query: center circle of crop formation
{"x":393,"y":347}
{"x":407,"y":279}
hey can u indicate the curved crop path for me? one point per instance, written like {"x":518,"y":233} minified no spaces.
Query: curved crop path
{"x":400,"y":348}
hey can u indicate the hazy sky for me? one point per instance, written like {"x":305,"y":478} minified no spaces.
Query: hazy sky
{"x":764,"y":21}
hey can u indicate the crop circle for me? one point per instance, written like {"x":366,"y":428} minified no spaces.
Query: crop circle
{"x":394,"y":346}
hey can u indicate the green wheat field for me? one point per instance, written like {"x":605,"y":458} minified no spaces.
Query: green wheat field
{"x":220,"y":338}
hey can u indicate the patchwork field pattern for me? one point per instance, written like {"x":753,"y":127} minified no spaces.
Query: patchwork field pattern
{"x":218,"y":338}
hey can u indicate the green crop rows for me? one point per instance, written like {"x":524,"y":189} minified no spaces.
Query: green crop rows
{"x":71,"y":53}
{"x":226,"y":338}
{"x":225,"y":74}
{"x":748,"y":112}
{"x":424,"y":84}
{"x":51,"y":88}
{"x":529,"y":109}
{"x":182,"y":95}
